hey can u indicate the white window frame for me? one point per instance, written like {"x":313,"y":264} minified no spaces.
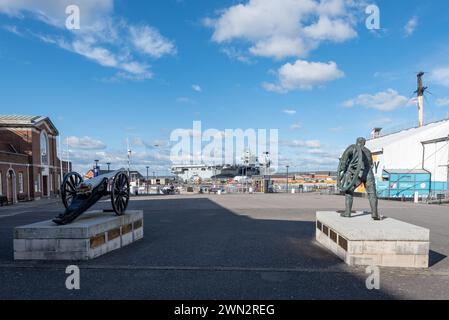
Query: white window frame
{"x":21,"y":181}
{"x":47,"y":148}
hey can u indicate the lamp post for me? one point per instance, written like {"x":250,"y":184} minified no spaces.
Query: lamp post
{"x":129,"y":163}
{"x":96,"y":173}
{"x":287,"y":178}
{"x":109,"y":166}
{"x":147,"y":177}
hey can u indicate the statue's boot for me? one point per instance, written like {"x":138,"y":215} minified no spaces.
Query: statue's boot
{"x":348,"y":211}
{"x":374,"y":205}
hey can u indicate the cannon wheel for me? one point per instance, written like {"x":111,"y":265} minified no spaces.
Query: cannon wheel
{"x":120,"y":193}
{"x":349,"y":171}
{"x":68,"y":189}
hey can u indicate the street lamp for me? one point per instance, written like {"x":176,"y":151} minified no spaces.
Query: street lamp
{"x":109,"y":166}
{"x":147,"y":177}
{"x":287,"y":178}
{"x":129,"y":163}
{"x":96,"y":173}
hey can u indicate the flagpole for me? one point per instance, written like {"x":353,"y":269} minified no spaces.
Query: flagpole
{"x":60,"y":161}
{"x":129,"y":159}
{"x":68,"y":155}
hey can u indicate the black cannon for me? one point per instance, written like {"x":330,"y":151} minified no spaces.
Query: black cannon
{"x":79,"y":195}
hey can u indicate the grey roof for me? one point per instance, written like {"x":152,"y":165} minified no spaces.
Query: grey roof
{"x":406,"y":171}
{"x":24,"y":120}
{"x":18,"y":119}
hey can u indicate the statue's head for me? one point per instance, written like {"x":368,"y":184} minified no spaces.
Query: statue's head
{"x":361,"y":142}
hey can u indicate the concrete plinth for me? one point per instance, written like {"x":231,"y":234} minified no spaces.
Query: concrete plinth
{"x":362,"y":241}
{"x":93,"y":234}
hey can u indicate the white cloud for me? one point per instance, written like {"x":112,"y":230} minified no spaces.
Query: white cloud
{"x":98,"y":54}
{"x":185,"y":100}
{"x":304,"y":75}
{"x":90,"y":48}
{"x":196,"y":88}
{"x":160,"y":144}
{"x":85,"y":143}
{"x":388,"y":76}
{"x":380,"y":122}
{"x":236,"y":54}
{"x":13,"y":29}
{"x":336,"y":129}
{"x":313,"y":144}
{"x":442,"y":102}
{"x":54,"y":12}
{"x":325,"y":28}
{"x":295,"y":126}
{"x":383,"y":101}
{"x":290,"y":112}
{"x":411,"y":26}
{"x":149,"y":41}
{"x":279,"y":47}
{"x":440,"y":76}
{"x":104,"y":38}
{"x":285,"y":28}
{"x":83,"y":159}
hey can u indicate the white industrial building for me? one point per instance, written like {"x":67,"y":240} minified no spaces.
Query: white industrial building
{"x":411,"y":157}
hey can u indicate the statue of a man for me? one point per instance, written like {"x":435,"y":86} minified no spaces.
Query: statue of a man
{"x":357,"y":171}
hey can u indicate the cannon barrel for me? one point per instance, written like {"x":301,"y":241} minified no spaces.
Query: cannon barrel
{"x":78,"y":195}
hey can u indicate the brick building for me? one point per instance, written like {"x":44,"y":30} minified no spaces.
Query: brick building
{"x":29,"y":165}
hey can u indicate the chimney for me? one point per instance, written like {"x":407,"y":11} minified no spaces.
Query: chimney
{"x":420,"y":92}
{"x":376,"y":133}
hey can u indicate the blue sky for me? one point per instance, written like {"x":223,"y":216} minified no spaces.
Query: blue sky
{"x":137,"y":70}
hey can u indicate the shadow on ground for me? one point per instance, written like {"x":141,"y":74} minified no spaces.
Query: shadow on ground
{"x":435,"y":258}
{"x":193,"y":249}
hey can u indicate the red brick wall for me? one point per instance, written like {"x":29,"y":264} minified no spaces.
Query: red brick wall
{"x":17,"y":169}
{"x":27,"y":142}
{"x":19,"y":138}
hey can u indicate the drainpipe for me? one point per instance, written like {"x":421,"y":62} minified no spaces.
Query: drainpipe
{"x":28,"y":182}
{"x":423,"y":155}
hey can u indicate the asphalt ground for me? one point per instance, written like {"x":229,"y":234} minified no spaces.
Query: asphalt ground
{"x":226,"y":247}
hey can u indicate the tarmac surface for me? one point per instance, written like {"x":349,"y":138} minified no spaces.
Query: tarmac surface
{"x":226,"y":247}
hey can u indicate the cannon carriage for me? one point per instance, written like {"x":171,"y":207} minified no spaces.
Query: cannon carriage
{"x":79,"y":195}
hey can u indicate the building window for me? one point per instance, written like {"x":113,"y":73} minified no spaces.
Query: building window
{"x":38,"y":183}
{"x":20,"y":182}
{"x":44,"y":148}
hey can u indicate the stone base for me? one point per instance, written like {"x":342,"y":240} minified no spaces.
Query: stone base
{"x":362,"y":241}
{"x":94,"y":234}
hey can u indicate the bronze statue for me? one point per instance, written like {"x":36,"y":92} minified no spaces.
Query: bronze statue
{"x":355,"y":168}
